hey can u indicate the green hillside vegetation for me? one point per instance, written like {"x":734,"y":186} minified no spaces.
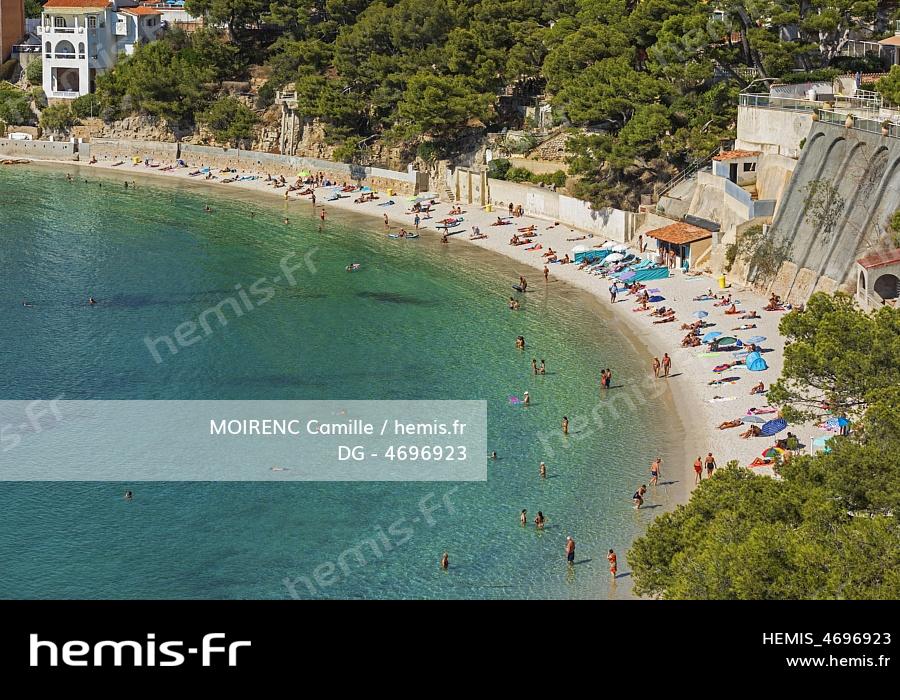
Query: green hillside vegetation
{"x":655,"y":80}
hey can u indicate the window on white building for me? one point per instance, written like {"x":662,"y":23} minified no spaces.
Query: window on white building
{"x":59,"y":21}
{"x":92,"y":22}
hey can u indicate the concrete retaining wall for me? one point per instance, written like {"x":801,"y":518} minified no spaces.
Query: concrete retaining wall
{"x":199,"y":156}
{"x":773,"y":173}
{"x":51,"y":150}
{"x":610,"y":223}
{"x":860,"y":173}
{"x":772,"y":130}
{"x":109,"y":149}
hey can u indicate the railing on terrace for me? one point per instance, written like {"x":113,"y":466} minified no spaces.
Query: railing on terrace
{"x":873,"y":126}
{"x":786,"y":103}
{"x":864,"y":101}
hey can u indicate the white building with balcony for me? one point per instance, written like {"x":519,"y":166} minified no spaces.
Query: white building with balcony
{"x":83,"y":38}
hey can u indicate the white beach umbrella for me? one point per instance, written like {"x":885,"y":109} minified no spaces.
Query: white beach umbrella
{"x":607,"y":245}
{"x":619,"y":248}
{"x":579,"y":249}
{"x":615,"y":257}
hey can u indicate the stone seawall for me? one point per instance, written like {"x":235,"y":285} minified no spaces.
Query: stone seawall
{"x":206,"y":156}
{"x":50,"y":150}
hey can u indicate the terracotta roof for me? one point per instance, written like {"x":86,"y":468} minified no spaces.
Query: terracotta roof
{"x":890,"y":41}
{"x":880,"y":259}
{"x":680,"y":234}
{"x":732,"y":155}
{"x":140,"y":11}
{"x":77,"y":4}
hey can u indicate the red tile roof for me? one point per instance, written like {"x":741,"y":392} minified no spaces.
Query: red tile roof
{"x":880,"y":259}
{"x":732,"y":155}
{"x":77,"y":4}
{"x":140,"y":11}
{"x":680,"y":234}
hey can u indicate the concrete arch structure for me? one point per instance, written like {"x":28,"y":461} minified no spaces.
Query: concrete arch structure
{"x":861,"y":169}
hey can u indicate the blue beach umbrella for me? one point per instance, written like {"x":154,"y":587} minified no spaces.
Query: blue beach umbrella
{"x":756,"y":339}
{"x":699,"y":314}
{"x":711,"y":336}
{"x":836,"y":423}
{"x":773,"y":427}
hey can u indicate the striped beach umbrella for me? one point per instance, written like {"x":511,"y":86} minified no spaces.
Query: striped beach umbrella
{"x":773,"y":427}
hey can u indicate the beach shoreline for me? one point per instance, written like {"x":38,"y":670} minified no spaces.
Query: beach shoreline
{"x":686,"y":390}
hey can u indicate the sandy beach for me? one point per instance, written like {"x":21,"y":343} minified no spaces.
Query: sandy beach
{"x":701,"y":406}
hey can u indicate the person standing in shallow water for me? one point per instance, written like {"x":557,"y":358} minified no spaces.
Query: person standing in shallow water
{"x":570,"y":550}
{"x":445,"y":561}
{"x":565,"y":425}
{"x":666,"y":364}
{"x":543,"y":470}
{"x":656,"y":366}
{"x":654,"y":471}
{"x":523,"y":517}
{"x":698,"y":470}
{"x":613,"y":563}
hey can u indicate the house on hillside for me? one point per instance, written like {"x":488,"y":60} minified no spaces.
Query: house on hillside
{"x":84,"y":38}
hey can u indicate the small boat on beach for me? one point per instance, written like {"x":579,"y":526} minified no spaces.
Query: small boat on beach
{"x":15,"y":161}
{"x":403,"y":235}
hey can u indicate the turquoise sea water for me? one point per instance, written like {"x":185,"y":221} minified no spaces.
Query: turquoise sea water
{"x":420,"y":321}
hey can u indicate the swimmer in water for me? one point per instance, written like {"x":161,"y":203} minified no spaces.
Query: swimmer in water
{"x":523,"y":517}
{"x":286,"y":221}
{"x":129,"y":495}
{"x":445,"y":561}
{"x":526,"y":399}
{"x":543,"y":470}
{"x":539,"y":521}
{"x":91,"y":301}
{"x":26,"y":304}
{"x":207,"y":208}
{"x":494,"y":454}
